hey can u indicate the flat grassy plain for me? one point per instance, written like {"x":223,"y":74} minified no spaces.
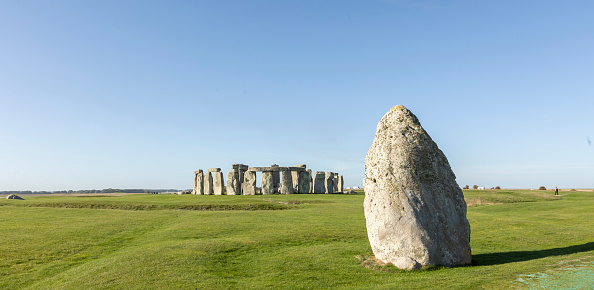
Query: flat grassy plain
{"x":519,"y":239}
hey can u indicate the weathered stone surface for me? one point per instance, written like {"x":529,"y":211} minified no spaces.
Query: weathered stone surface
{"x":340,"y":184}
{"x":304,"y":182}
{"x":319,"y":182}
{"x":198,"y":182}
{"x":248,"y":186}
{"x":295,"y":176}
{"x":14,"y":196}
{"x":295,"y":180}
{"x":276,"y":181}
{"x":329,"y":182}
{"x":310,"y":181}
{"x":267,"y":182}
{"x":239,"y":172}
{"x":214,"y":170}
{"x":233,"y":186}
{"x":208,"y":184}
{"x":275,"y":169}
{"x":414,"y":209}
{"x":286,"y":186}
{"x":219,"y":183}
{"x":335,"y":182}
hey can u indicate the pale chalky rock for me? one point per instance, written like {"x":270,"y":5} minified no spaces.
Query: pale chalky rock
{"x":198,"y":182}
{"x":295,"y":175}
{"x":329,"y":182}
{"x":248,"y":186}
{"x":267,"y":182}
{"x":414,"y":209}
{"x":233,"y":182}
{"x":286,"y":186}
{"x":208,"y":184}
{"x":219,"y":183}
{"x":340,"y":184}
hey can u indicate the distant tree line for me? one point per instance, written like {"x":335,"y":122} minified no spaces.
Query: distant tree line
{"x":107,"y":190}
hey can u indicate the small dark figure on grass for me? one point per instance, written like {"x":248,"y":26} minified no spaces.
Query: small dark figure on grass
{"x":556,"y":191}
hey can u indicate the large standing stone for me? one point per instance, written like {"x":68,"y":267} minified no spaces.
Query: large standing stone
{"x":219,"y":183}
{"x":340,"y":184}
{"x":248,"y":186}
{"x":208,"y":184}
{"x":286,"y":186}
{"x":198,"y":182}
{"x":233,"y":186}
{"x":329,"y":182}
{"x":304,"y":182}
{"x":310,"y":181}
{"x":319,"y":183}
{"x":267,"y":182}
{"x":275,"y":178}
{"x":295,"y":176}
{"x":335,"y":182}
{"x":414,"y":209}
{"x":241,"y":168}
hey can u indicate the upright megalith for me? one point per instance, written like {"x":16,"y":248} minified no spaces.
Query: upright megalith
{"x":248,"y":186}
{"x":414,"y":209}
{"x":198,"y":182}
{"x":295,"y":175}
{"x":310,"y":181}
{"x":329,"y":182}
{"x":208,"y":184}
{"x":335,"y":182}
{"x":267,"y":182}
{"x":233,"y":186}
{"x":304,"y":181}
{"x":218,"y":181}
{"x":340,"y":184}
{"x":319,"y":182}
{"x":286,"y":186}
{"x":275,"y":177}
{"x":241,"y":168}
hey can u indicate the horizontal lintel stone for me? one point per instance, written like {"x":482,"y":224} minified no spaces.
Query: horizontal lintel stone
{"x":276,"y":169}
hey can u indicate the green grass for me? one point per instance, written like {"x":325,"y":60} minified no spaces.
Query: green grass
{"x":295,"y":241}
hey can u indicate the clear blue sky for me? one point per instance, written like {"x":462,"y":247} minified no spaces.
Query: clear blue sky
{"x":139,"y":94}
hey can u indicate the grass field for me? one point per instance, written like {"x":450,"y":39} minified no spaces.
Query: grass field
{"x":519,"y":239}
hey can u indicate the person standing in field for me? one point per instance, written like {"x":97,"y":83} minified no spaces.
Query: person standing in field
{"x":556,"y":191}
